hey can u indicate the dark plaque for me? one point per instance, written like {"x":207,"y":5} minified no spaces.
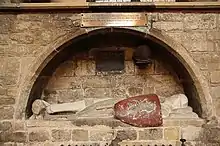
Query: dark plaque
{"x":110,"y":61}
{"x":113,"y":19}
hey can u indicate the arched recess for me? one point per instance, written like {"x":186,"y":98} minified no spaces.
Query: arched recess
{"x":197,"y":88}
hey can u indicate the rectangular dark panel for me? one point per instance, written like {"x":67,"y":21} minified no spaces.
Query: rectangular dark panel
{"x":110,"y":61}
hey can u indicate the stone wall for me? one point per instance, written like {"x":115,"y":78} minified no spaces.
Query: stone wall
{"x":25,"y":38}
{"x":78,"y":79}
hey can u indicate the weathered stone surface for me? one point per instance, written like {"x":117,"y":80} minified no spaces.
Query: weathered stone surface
{"x":141,"y":111}
{"x":215,"y":91}
{"x":6,"y":112}
{"x":69,"y":95}
{"x":213,"y":35}
{"x":97,"y":92}
{"x":3,"y":91}
{"x":169,"y":26}
{"x":196,"y":41}
{"x":192,"y":133}
{"x":6,"y":101}
{"x":6,"y":125}
{"x":200,"y":21}
{"x":97,"y":82}
{"x":151,"y":134}
{"x":135,"y":91}
{"x":124,"y":135}
{"x":66,"y":69}
{"x":85,"y":67}
{"x":13,"y":137}
{"x":212,"y":134}
{"x":19,"y":125}
{"x":100,"y":108}
{"x":215,"y":77}
{"x":171,"y":133}
{"x":170,"y":17}
{"x":129,"y":67}
{"x":61,"y":135}
{"x":12,"y":66}
{"x":38,"y":135}
{"x":119,"y":92}
{"x":6,"y":22}
{"x":101,"y":135}
{"x":80,"y":135}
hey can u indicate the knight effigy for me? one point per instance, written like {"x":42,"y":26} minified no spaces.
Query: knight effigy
{"x":140,"y":111}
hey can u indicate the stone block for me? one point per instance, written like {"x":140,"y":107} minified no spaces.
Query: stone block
{"x":2,"y":50}
{"x":19,"y":125}
{"x":101,"y":135}
{"x":127,"y":134}
{"x":6,"y":112}
{"x":4,"y":39}
{"x":122,"y":135}
{"x":202,"y":59}
{"x":60,"y":83}
{"x":12,"y":66}
{"x":169,"y":26}
{"x":119,"y":92}
{"x":134,"y":91}
{"x":151,"y":134}
{"x":5,"y":126}
{"x":80,"y":135}
{"x":66,"y":69}
{"x":85,"y":67}
{"x":22,"y":38}
{"x":61,"y":135}
{"x":38,"y":135}
{"x":196,"y":41}
{"x":70,"y":95}
{"x":3,"y":91}
{"x":162,"y":68}
{"x":200,"y":21}
{"x":212,"y":134}
{"x":213,"y":35}
{"x":129,"y":67}
{"x":97,"y":92}
{"x":131,"y":80}
{"x":149,"y":90}
{"x":10,"y":80}
{"x":217,"y":107}
{"x":171,"y":122}
{"x":191,"y":133}
{"x":215,"y":77}
{"x":7,"y":101}
{"x":170,"y":17}
{"x":12,"y":91}
{"x":97,"y":82}
{"x":215,"y":92}
{"x":20,"y":137}
{"x":150,"y":143}
{"x":172,"y":133}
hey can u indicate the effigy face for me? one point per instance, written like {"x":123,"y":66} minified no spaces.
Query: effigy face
{"x":140,"y":111}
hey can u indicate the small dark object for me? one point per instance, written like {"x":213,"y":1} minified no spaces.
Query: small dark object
{"x":141,"y":56}
{"x":182,"y":141}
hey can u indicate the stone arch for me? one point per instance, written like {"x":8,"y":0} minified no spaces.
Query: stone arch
{"x":176,"y":49}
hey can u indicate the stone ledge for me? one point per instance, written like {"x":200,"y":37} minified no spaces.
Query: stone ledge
{"x":111,"y":5}
{"x":110,"y":122}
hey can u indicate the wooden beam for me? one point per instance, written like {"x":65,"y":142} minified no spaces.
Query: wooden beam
{"x":80,"y":4}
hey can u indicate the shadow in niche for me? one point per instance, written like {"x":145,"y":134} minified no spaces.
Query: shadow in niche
{"x":119,"y":38}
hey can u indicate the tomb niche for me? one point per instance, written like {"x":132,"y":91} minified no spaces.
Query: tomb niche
{"x":141,"y":110}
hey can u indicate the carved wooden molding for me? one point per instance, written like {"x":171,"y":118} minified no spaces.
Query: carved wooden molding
{"x":135,"y":6}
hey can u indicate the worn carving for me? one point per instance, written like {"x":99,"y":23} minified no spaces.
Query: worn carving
{"x":175,"y":106}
